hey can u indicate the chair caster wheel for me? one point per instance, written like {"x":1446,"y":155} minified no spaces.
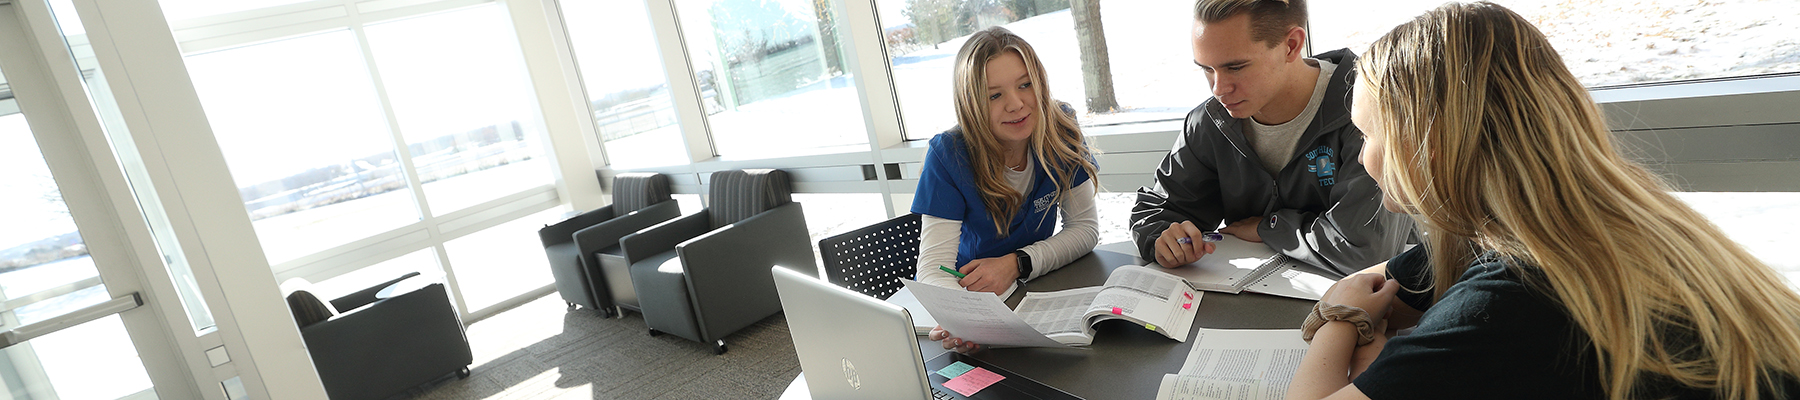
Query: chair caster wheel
{"x":462,"y":373}
{"x":655,"y":333}
{"x":719,"y":347}
{"x":606,"y":313}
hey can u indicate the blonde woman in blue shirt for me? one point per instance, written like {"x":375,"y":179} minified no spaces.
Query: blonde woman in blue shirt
{"x":991,"y":185}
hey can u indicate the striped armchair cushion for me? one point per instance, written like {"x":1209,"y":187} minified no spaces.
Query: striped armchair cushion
{"x":637,"y":190}
{"x":739,"y":194}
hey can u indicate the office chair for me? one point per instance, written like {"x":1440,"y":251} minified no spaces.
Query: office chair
{"x":871,"y":260}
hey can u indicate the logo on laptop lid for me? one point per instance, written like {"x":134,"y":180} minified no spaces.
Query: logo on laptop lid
{"x":850,"y":375}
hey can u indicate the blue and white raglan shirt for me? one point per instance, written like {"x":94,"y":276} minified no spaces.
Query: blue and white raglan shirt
{"x":955,"y":218}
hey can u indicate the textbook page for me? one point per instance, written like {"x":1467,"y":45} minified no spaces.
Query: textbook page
{"x":1059,"y":314}
{"x":1148,"y":296}
{"x":1251,"y":364}
{"x":978,"y":317}
{"x":922,"y":321}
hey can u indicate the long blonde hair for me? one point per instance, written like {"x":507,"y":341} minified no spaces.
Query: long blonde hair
{"x":1056,"y":141}
{"x":1495,"y":146}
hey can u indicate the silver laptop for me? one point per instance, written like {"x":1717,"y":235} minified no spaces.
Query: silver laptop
{"x":852,"y":346}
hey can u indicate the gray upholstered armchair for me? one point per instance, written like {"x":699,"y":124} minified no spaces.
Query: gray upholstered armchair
{"x":380,"y":347}
{"x":585,"y":258}
{"x":704,"y":276}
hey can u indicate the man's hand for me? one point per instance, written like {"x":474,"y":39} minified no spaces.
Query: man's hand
{"x":1171,"y":252}
{"x":992,"y":275}
{"x":1244,"y":229}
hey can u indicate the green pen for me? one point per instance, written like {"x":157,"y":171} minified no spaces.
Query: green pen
{"x":952,"y":271}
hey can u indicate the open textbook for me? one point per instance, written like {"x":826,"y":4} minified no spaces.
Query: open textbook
{"x":1146,"y":297}
{"x":1237,"y":364}
{"x":1239,"y":266}
{"x":1154,"y":299}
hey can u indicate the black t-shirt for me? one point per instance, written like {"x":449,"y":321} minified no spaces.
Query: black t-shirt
{"x":1489,"y":337}
{"x":1493,"y":337}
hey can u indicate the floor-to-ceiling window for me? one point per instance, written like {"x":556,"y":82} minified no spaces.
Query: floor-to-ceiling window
{"x":358,"y":132}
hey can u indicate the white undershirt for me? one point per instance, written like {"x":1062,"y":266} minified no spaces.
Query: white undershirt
{"x":939,"y":237}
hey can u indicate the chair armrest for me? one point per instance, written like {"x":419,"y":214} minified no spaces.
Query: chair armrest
{"x":559,"y":232}
{"x":664,"y":236}
{"x":607,"y":233}
{"x":728,"y":269}
{"x":364,"y":297}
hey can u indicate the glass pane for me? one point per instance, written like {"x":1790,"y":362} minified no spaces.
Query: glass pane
{"x":1613,"y":42}
{"x":502,"y":262}
{"x":94,"y":360}
{"x":829,"y":214}
{"x":180,"y":10}
{"x":1746,"y":218}
{"x":1115,"y":215}
{"x":112,"y":123}
{"x":458,"y":86}
{"x":423,"y":262}
{"x":40,"y":249}
{"x":1159,"y":83}
{"x":306,"y":140}
{"x":632,"y":107}
{"x":761,"y":63}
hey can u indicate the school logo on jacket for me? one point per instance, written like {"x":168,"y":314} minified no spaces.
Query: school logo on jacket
{"x":1043,"y":204}
{"x":1321,"y":165}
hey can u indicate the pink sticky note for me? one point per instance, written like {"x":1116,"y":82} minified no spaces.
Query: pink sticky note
{"x":1187,"y":306}
{"x":973,"y":381}
{"x":1119,"y":311}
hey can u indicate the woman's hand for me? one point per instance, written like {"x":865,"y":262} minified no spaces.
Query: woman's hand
{"x":1171,"y":252}
{"x":992,"y":275}
{"x":1370,"y":292}
{"x":951,"y":342}
{"x":1244,"y":229}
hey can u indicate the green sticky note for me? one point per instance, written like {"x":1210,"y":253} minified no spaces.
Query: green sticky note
{"x":955,"y":369}
{"x":1150,"y":327}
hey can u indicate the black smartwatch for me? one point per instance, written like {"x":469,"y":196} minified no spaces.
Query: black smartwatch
{"x":1024,"y":264}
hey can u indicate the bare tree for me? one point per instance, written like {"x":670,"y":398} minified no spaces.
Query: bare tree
{"x":1096,"y":67}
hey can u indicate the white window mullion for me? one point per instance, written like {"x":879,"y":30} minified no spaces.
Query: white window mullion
{"x":402,"y":153}
{"x":689,"y":107}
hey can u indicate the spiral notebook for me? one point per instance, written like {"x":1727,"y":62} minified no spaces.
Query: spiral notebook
{"x":1237,"y":266}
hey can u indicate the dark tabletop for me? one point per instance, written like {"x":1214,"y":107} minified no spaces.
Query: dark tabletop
{"x":1127,"y":361}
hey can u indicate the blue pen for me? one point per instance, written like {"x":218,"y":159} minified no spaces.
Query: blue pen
{"x":1205,"y":236}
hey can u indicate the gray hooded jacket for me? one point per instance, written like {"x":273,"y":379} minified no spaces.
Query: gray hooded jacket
{"x":1322,"y":209}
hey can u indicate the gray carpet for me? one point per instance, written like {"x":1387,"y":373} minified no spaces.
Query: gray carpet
{"x":540,"y":350}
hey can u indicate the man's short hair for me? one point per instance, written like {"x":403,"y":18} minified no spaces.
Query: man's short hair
{"x":1269,"y":19}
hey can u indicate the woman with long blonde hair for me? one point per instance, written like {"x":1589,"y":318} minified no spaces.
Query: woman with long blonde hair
{"x":991,"y":186}
{"x":1553,"y":267}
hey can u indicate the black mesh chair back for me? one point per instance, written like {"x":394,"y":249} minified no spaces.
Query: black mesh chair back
{"x":872,"y":260}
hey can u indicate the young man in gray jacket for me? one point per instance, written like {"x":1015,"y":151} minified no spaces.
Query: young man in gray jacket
{"x":1272,"y":154}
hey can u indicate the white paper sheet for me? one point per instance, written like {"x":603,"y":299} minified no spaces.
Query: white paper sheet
{"x":978,"y":317}
{"x":922,"y":320}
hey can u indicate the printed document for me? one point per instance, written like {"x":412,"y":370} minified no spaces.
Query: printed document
{"x":978,"y":317}
{"x":1237,"y":364}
